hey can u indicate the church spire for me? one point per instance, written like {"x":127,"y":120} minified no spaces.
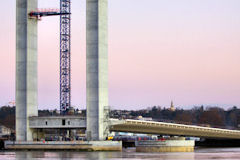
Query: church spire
{"x":172,"y":108}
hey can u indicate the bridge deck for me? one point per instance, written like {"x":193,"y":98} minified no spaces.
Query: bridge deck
{"x":150,"y":127}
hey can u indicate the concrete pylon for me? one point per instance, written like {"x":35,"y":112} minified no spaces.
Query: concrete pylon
{"x":97,"y":68}
{"x":26,"y":68}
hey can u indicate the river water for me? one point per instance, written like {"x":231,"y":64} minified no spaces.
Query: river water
{"x":199,"y":154}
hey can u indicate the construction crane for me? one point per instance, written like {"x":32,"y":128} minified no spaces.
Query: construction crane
{"x":65,"y":55}
{"x":65,"y":49}
{"x":45,"y":12}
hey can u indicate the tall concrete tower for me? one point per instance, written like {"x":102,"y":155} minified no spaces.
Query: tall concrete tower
{"x":26,"y":68}
{"x":97,"y":68}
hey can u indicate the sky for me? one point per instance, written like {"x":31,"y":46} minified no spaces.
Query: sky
{"x":186,"y":51}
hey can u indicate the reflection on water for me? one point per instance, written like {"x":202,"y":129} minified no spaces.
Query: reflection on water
{"x":199,"y":154}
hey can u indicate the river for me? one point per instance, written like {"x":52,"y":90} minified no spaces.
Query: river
{"x":199,"y":154}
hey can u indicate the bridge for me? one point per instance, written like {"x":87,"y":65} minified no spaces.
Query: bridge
{"x":135,"y":126}
{"x":97,"y":124}
{"x":162,"y":128}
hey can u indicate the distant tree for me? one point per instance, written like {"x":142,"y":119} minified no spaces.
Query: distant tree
{"x":184,"y":117}
{"x":7,"y":116}
{"x":213,"y":116}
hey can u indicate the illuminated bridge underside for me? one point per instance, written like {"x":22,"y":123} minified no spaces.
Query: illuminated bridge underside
{"x":149,"y":127}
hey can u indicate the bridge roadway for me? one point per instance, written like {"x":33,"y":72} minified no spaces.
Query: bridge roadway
{"x":136,"y":126}
{"x":162,"y":128}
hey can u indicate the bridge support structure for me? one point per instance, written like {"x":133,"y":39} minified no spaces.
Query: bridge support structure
{"x":26,"y":68}
{"x":165,"y":146}
{"x":97,"y":68}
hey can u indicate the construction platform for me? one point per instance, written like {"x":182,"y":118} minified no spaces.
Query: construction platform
{"x":165,"y":146}
{"x":65,"y":145}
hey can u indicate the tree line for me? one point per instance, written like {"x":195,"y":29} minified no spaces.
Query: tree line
{"x":203,"y":116}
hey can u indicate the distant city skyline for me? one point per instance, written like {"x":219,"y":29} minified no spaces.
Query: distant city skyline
{"x":159,"y":50}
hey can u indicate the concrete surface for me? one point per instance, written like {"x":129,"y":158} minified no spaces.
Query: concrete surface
{"x":162,"y":128}
{"x":57,"y":122}
{"x":66,"y":145}
{"x":97,"y":68}
{"x":26,"y":68}
{"x":165,"y":146}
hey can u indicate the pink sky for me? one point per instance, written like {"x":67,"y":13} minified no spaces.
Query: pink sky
{"x":165,"y":50}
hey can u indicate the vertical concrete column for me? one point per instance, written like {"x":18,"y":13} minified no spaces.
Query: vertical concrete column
{"x":97,"y":67}
{"x":26,"y":68}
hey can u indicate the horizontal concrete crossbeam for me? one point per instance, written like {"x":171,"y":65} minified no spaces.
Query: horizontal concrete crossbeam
{"x":57,"y":122}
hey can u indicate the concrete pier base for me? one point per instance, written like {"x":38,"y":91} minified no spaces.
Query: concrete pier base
{"x":165,"y":146}
{"x":65,"y":145}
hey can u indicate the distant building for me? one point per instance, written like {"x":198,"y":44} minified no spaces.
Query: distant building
{"x":172,"y":108}
{"x":144,"y":118}
{"x":4,"y":130}
{"x":79,"y":112}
